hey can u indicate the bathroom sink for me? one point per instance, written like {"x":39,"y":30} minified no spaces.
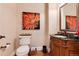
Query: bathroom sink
{"x":60,"y":36}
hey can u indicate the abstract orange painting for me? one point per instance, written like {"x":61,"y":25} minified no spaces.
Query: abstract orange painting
{"x":71,"y":22}
{"x":30,"y":21}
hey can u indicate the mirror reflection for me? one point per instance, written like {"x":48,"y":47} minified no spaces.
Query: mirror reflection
{"x":68,"y":17}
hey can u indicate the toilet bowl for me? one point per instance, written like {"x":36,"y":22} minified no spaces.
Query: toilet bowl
{"x":22,"y":51}
{"x":24,"y":43}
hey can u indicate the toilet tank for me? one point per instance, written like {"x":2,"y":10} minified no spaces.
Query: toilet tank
{"x":25,"y":40}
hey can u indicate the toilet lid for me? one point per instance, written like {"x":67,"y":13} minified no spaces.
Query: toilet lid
{"x":23,"y":49}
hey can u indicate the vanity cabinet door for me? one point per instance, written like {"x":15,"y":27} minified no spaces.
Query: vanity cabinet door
{"x":63,"y":51}
{"x":60,"y":47}
{"x":51,"y":47}
{"x":63,"y":48}
{"x":73,"y":49}
{"x":56,"y":51}
{"x":73,"y":52}
{"x":54,"y":47}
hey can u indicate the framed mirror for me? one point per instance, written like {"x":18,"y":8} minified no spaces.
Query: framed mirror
{"x":68,"y":17}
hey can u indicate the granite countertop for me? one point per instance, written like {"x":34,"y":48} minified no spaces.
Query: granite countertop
{"x":65,"y":37}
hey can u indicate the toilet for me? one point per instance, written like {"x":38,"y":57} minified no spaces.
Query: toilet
{"x":24,"y":47}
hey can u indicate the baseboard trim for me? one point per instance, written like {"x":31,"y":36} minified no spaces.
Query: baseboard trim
{"x":39,"y":48}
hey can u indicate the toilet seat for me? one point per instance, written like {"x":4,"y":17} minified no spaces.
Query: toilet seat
{"x":22,"y":50}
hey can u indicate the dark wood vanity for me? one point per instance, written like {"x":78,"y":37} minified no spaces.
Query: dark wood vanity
{"x":68,"y":46}
{"x":64,"y":47}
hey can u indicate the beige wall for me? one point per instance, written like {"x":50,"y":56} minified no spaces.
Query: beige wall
{"x":52,"y":27}
{"x":47,"y":39}
{"x":11,"y":23}
{"x":53,"y":18}
{"x":53,"y":21}
{"x":8,"y":26}
{"x":37,"y":35}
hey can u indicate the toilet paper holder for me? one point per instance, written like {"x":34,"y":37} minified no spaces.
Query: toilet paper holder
{"x":5,"y":46}
{"x":2,"y":36}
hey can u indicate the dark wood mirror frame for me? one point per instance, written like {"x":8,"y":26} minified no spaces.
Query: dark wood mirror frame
{"x":60,"y":15}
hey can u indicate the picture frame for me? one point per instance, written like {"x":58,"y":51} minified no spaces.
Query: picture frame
{"x":30,"y":21}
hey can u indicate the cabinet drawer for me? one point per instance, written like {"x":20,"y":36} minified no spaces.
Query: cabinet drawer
{"x":73,"y":44}
{"x":73,"y":52}
{"x":70,"y":42}
{"x":58,"y":42}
